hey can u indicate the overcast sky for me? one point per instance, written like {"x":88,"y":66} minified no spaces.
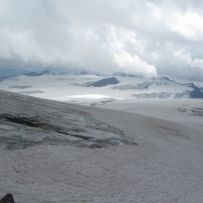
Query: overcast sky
{"x":146,"y":37}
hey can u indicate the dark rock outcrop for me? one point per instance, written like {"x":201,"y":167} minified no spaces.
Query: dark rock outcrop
{"x":8,"y":198}
{"x":104,"y":82}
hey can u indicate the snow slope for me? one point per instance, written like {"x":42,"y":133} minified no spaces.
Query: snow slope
{"x":28,"y":121}
{"x":45,"y":166}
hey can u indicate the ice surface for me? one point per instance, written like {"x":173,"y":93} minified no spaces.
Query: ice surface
{"x":148,"y":151}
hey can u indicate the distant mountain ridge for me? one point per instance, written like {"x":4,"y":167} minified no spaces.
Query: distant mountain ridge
{"x":192,"y":91}
{"x":44,"y":72}
{"x":121,"y":86}
{"x":104,"y":82}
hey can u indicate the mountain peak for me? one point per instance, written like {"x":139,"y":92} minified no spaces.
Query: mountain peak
{"x":105,"y":82}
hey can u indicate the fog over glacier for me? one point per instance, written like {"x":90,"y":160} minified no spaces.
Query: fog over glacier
{"x":145,"y":37}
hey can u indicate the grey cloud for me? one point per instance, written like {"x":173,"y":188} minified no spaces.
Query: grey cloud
{"x":146,"y":37}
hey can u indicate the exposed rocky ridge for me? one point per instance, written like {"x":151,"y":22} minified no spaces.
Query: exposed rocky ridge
{"x":104,"y":82}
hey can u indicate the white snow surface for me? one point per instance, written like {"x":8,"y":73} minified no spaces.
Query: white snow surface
{"x":86,"y":154}
{"x":165,"y":167}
